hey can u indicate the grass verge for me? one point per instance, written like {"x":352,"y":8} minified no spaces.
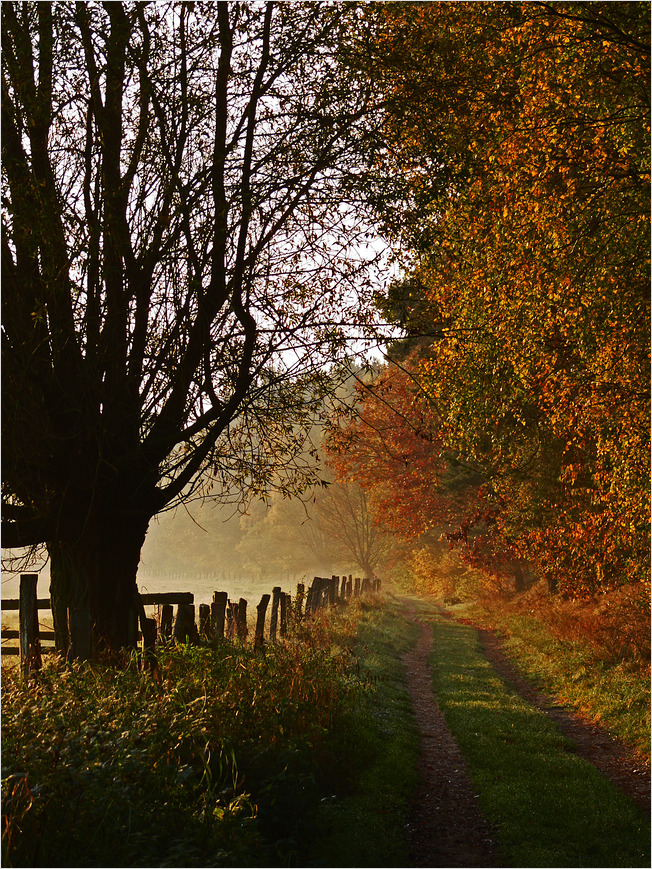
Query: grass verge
{"x":363,"y":824}
{"x":548,"y":805}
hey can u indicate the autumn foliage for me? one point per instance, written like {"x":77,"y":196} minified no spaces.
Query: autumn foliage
{"x":421,"y":490}
{"x":518,"y":181}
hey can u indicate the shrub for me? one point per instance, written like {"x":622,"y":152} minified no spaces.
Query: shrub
{"x":104,"y":765}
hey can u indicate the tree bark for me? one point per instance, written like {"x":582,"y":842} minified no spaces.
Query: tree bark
{"x":519,"y":579}
{"x":97,"y":571}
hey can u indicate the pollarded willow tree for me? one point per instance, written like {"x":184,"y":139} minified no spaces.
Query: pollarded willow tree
{"x":182,"y":243}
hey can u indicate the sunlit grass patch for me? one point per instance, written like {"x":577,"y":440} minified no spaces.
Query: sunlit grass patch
{"x":549,"y":806}
{"x":613,"y":691}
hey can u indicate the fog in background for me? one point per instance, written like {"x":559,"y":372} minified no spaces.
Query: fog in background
{"x":202,"y":548}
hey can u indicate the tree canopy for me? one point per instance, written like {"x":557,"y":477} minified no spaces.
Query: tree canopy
{"x":518,"y":184}
{"x":189,"y":193}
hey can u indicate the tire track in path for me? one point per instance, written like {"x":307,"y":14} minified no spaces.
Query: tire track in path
{"x":446,"y":826}
{"x":611,"y":756}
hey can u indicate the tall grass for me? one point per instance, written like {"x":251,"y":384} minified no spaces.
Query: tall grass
{"x":216,"y":764}
{"x":302,"y":754}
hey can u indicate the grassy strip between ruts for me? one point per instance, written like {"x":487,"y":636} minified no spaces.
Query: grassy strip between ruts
{"x":549,"y":806}
{"x":303,"y":754}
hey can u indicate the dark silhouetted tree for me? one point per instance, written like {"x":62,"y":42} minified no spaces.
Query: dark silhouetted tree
{"x":182,"y":242}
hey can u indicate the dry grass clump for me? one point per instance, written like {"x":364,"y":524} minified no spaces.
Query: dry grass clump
{"x":616,"y":625}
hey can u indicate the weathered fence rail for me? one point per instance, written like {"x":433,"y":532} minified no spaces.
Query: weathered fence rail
{"x":222,"y":618}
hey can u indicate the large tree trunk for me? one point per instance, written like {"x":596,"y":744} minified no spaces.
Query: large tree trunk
{"x":94,"y":575}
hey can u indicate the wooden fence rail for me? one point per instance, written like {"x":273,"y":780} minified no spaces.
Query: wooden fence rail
{"x":222,"y":618}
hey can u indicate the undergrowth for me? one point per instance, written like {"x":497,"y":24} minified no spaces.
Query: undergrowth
{"x":216,"y":763}
{"x":231,"y":758}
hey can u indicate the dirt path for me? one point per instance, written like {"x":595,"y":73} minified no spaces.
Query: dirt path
{"x":446,"y":827}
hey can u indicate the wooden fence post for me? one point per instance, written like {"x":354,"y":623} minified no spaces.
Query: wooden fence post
{"x":365,"y":586}
{"x":285,"y":603}
{"x":298,"y":601}
{"x":167,"y":617}
{"x":30,"y":646}
{"x":242,"y":619}
{"x":149,"y":643}
{"x":205,"y":620}
{"x":332,"y":589}
{"x":231,"y":612}
{"x":218,"y":611}
{"x":356,"y":587}
{"x":317,"y":585}
{"x":260,"y":621}
{"x":185,"y":629}
{"x":309,"y":601}
{"x":316,"y":594}
{"x":273,"y":621}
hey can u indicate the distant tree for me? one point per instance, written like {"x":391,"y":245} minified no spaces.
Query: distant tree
{"x":345,"y":517}
{"x":281,"y":536}
{"x":182,"y":245}
{"x":331,"y":531}
{"x":201,"y":537}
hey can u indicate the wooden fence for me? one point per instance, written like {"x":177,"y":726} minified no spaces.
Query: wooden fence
{"x":222,"y":618}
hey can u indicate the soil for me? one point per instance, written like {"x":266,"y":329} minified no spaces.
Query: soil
{"x":446,"y":826}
